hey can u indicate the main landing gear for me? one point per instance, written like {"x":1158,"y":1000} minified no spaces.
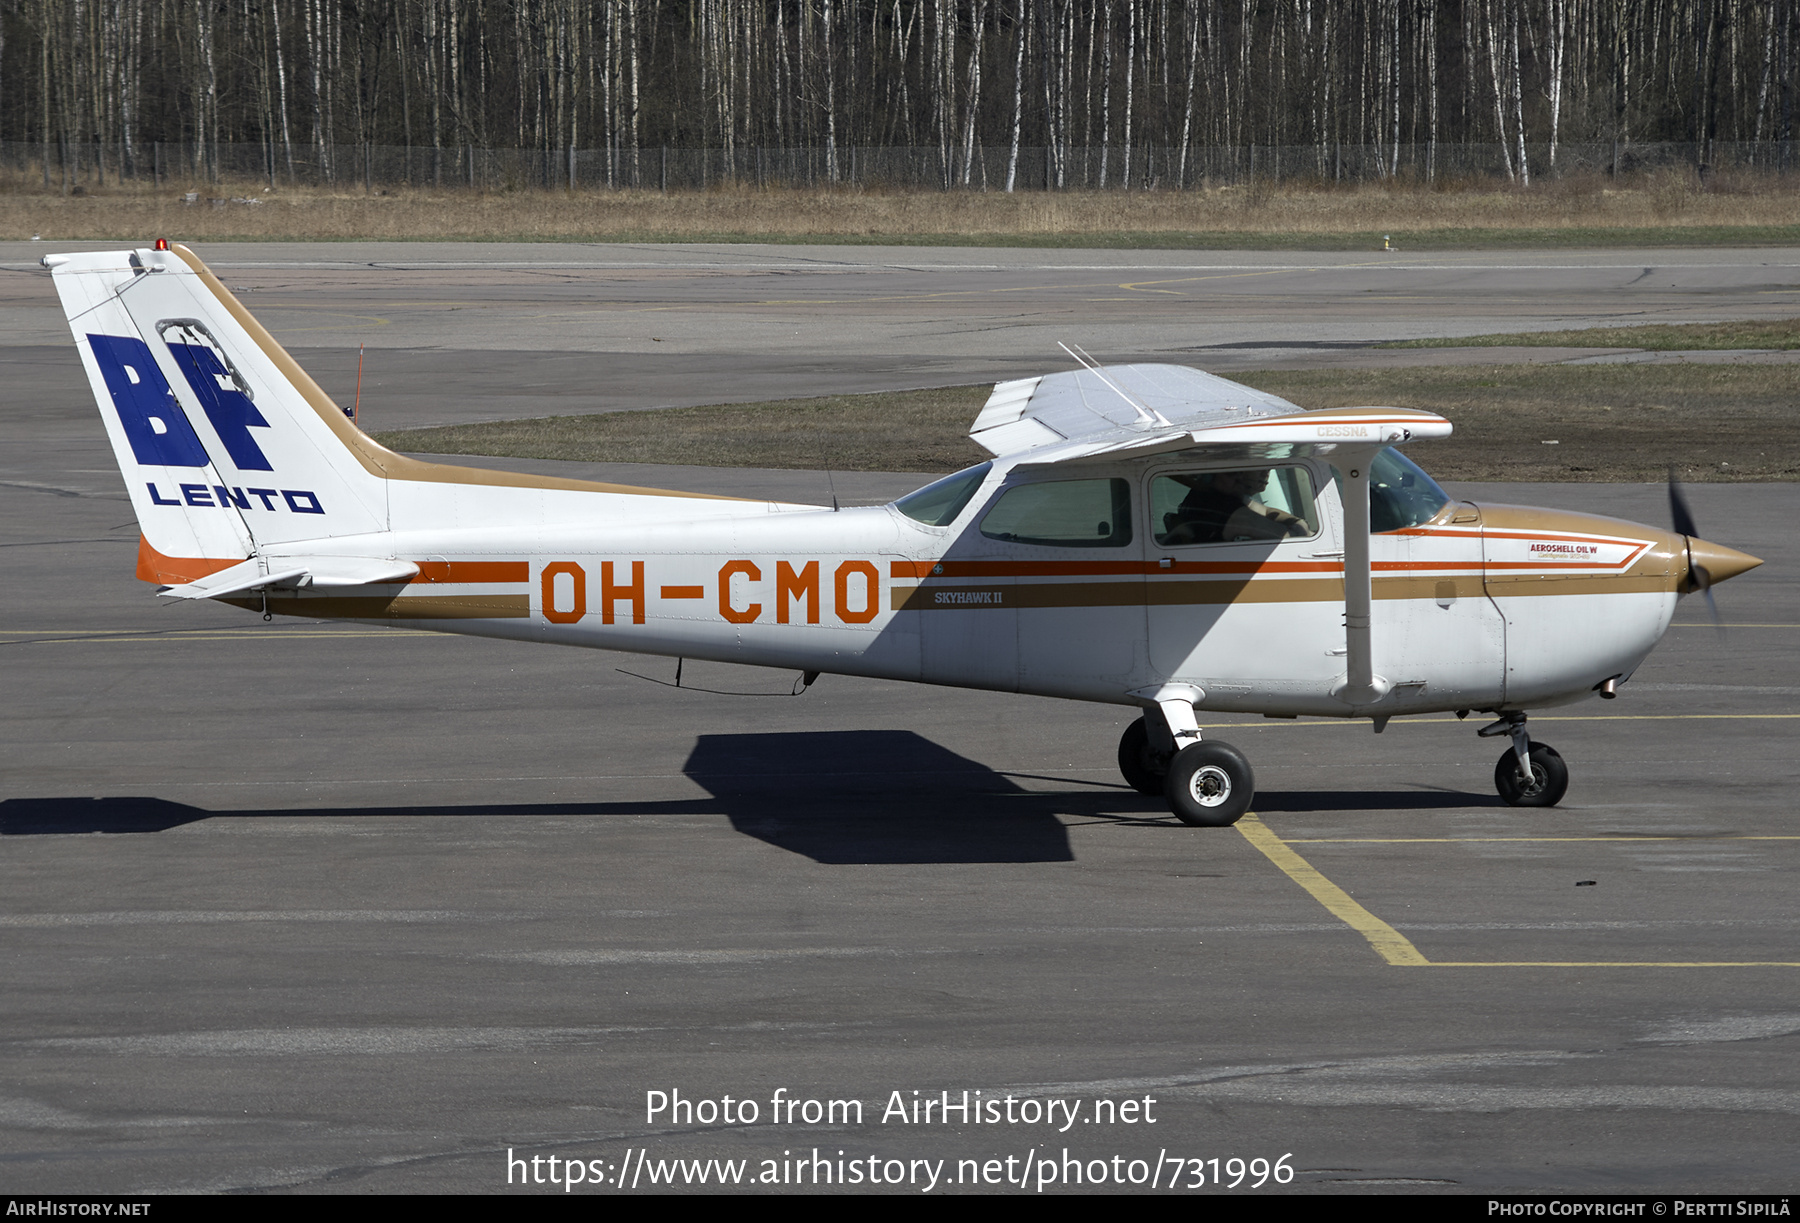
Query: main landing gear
{"x":1210,"y":784}
{"x":1207,"y":784}
{"x":1528,"y":774}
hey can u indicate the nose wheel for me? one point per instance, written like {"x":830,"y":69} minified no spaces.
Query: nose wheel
{"x":1528,"y":774}
{"x":1549,"y":779}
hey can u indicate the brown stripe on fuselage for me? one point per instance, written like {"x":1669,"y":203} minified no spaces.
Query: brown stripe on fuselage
{"x":392,"y":607}
{"x":926,"y":597}
{"x":1167,"y":593}
{"x":472,"y":572}
{"x":1514,"y":587}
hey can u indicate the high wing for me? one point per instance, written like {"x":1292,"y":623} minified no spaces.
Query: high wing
{"x":1101,"y":413}
{"x":1134,"y":411}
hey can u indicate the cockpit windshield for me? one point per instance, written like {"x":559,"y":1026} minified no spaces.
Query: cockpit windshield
{"x":1401,"y":495}
{"x":938,"y":503}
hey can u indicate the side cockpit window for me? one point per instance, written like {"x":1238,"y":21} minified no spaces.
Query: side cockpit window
{"x":1235,"y":506}
{"x":1063,"y":514}
{"x":1401,"y":494}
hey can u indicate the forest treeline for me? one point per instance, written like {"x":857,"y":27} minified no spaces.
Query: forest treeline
{"x":1132,"y":90}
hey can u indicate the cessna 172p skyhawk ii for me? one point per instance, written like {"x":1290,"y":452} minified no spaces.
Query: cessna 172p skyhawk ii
{"x":1145,"y":535}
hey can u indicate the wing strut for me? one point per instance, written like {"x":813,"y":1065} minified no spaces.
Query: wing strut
{"x":1360,"y":685}
{"x":1145,"y":416}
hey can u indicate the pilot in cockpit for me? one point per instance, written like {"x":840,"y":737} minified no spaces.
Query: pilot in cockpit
{"x":1225,"y":506}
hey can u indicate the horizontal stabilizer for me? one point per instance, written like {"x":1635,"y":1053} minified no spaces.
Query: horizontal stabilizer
{"x":260,"y":573}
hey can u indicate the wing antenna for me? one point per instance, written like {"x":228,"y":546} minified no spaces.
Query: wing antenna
{"x":1145,"y":415}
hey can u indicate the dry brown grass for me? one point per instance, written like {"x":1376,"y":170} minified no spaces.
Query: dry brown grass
{"x":1646,"y":337}
{"x":895,"y":431}
{"x":1585,"y":422}
{"x":1579,"y":208}
{"x":1608,"y":423}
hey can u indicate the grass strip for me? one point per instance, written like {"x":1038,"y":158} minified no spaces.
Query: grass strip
{"x":890,"y":431}
{"x":1513,"y":423}
{"x":1655,"y":210}
{"x":1247,"y":239}
{"x":1646,"y":337}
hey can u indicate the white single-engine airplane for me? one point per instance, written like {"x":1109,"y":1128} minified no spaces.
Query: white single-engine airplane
{"x":1145,"y":535}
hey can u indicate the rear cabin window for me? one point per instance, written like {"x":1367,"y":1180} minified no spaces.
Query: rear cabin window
{"x":1063,"y":514}
{"x":1235,"y":506}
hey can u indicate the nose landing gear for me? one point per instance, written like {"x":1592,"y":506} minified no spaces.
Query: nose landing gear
{"x":1528,"y":774}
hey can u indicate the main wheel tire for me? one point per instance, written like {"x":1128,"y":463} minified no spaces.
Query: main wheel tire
{"x":1209,"y":785}
{"x":1549,"y":778}
{"x":1143,"y":769}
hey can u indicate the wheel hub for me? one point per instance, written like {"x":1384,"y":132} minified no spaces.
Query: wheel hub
{"x":1210,"y":786}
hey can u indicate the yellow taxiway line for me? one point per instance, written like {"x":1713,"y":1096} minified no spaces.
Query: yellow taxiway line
{"x":127,"y":636}
{"x":1399,"y":951}
{"x":1620,"y":839}
{"x":1388,"y":942}
{"x":1536,"y":717}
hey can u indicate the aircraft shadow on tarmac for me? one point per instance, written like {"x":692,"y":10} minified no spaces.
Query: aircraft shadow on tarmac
{"x":837,"y":797}
{"x":886,"y":796}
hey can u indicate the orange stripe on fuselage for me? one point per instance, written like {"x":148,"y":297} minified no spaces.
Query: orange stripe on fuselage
{"x":153,"y":566}
{"x":1090,"y":569}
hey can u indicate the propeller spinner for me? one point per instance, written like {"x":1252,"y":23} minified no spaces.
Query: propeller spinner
{"x":1708,"y":563}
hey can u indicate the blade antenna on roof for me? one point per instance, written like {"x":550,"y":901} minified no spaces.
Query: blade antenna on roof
{"x":1145,"y":415}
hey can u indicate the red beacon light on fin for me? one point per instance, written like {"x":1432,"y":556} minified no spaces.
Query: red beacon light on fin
{"x":162,"y":244}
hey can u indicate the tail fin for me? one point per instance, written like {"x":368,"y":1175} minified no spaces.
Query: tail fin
{"x":226,"y":446}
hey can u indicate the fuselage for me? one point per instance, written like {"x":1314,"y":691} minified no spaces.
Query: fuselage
{"x":1476,"y":606}
{"x":1140,"y":530}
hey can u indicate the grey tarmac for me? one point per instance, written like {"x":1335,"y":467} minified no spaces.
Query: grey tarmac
{"x":317,"y":908}
{"x":464,"y":332}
